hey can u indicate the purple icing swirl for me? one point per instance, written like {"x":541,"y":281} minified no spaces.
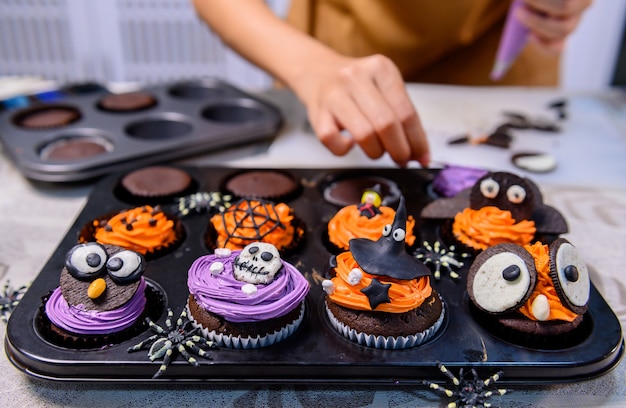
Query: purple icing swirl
{"x":221,"y":294}
{"x":453,"y":179}
{"x":76,"y":319}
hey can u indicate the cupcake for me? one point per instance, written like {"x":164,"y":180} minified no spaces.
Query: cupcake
{"x":264,"y":184}
{"x":102,"y":298}
{"x":246,"y":299}
{"x":500,"y":208}
{"x":349,"y":190}
{"x":380,"y":296}
{"x":75,"y":148}
{"x":155,"y":184}
{"x":127,"y":102}
{"x":533,"y":295}
{"x":47,"y":117}
{"x":145,"y":229}
{"x":247,"y":221}
{"x":364,"y":220}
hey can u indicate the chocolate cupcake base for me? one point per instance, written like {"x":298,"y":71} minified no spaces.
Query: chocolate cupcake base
{"x":517,"y":329}
{"x":243,"y":336}
{"x":388,"y":330}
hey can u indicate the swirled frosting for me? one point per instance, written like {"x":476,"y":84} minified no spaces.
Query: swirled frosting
{"x":489,"y":226}
{"x":248,"y":221}
{"x":76,"y":319}
{"x":348,"y":223}
{"x":222,"y":294}
{"x":404,"y":295}
{"x":141,"y":229}
{"x":545,"y":287}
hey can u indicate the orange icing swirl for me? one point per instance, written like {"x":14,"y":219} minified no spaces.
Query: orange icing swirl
{"x":489,"y":226}
{"x":405,"y":295}
{"x":249,"y":221}
{"x":141,"y":229}
{"x":545,"y":286}
{"x":348,"y":223}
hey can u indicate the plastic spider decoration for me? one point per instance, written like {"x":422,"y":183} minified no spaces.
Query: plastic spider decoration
{"x":9,"y":299}
{"x":441,"y":256}
{"x":472,"y":392}
{"x":211,"y":202}
{"x":179,"y":338}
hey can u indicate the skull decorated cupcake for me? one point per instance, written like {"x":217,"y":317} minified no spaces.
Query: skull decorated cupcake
{"x":246,"y":299}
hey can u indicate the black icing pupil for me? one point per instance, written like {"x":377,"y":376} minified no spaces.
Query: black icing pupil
{"x":571,"y":273}
{"x":253,"y":250}
{"x":115,"y":264}
{"x":510,"y":273}
{"x":266,"y":256}
{"x":93,"y":260}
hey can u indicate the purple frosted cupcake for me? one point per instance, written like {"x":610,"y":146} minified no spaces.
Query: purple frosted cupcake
{"x":102,"y":298}
{"x":246,"y":298}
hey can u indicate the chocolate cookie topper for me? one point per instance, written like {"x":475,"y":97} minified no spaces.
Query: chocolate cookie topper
{"x":387,"y":256}
{"x":508,"y":192}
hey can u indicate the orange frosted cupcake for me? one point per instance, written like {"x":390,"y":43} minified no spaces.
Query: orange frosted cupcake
{"x":146,"y":229}
{"x":380,"y":296}
{"x":500,"y":208}
{"x":533,"y":295}
{"x":364,"y":220}
{"x":248,"y":221}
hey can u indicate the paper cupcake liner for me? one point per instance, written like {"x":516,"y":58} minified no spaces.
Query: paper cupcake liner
{"x":248,"y":343}
{"x":386,"y":342}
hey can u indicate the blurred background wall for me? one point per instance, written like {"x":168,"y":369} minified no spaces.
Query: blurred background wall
{"x":152,"y":41}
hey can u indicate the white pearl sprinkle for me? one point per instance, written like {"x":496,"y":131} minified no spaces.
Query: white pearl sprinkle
{"x":249,"y":289}
{"x":328,"y":286}
{"x":222,"y":252}
{"x":355,"y":276}
{"x":216,"y":268}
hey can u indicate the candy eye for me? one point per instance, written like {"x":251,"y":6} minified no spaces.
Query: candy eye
{"x":86,"y":261}
{"x":516,"y":194}
{"x":501,"y":278}
{"x":125,"y":267}
{"x":569,"y":275}
{"x":386,"y":230}
{"x":489,"y":188}
{"x":399,"y":234}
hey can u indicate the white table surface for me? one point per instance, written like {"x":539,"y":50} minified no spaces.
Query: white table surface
{"x":588,"y":187}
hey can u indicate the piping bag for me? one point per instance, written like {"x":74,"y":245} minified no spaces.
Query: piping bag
{"x":513,"y":40}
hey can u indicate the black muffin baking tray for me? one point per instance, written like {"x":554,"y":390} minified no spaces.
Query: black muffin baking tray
{"x":188,"y":118}
{"x":315,"y":353}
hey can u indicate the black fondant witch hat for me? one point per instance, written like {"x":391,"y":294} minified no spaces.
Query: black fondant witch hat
{"x":387,"y":256}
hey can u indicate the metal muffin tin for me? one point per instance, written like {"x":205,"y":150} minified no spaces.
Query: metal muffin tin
{"x":188,"y":118}
{"x":315,"y":353}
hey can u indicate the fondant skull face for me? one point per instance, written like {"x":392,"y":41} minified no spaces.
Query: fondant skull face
{"x":257,"y":263}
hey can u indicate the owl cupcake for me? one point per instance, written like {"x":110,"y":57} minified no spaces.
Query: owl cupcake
{"x":534,"y":295}
{"x":102,"y":298}
{"x":500,"y":208}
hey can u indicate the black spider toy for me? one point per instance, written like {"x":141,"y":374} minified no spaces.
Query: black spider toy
{"x":9,"y":298}
{"x":472,"y":392}
{"x":439,"y":255}
{"x":176,"y":338}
